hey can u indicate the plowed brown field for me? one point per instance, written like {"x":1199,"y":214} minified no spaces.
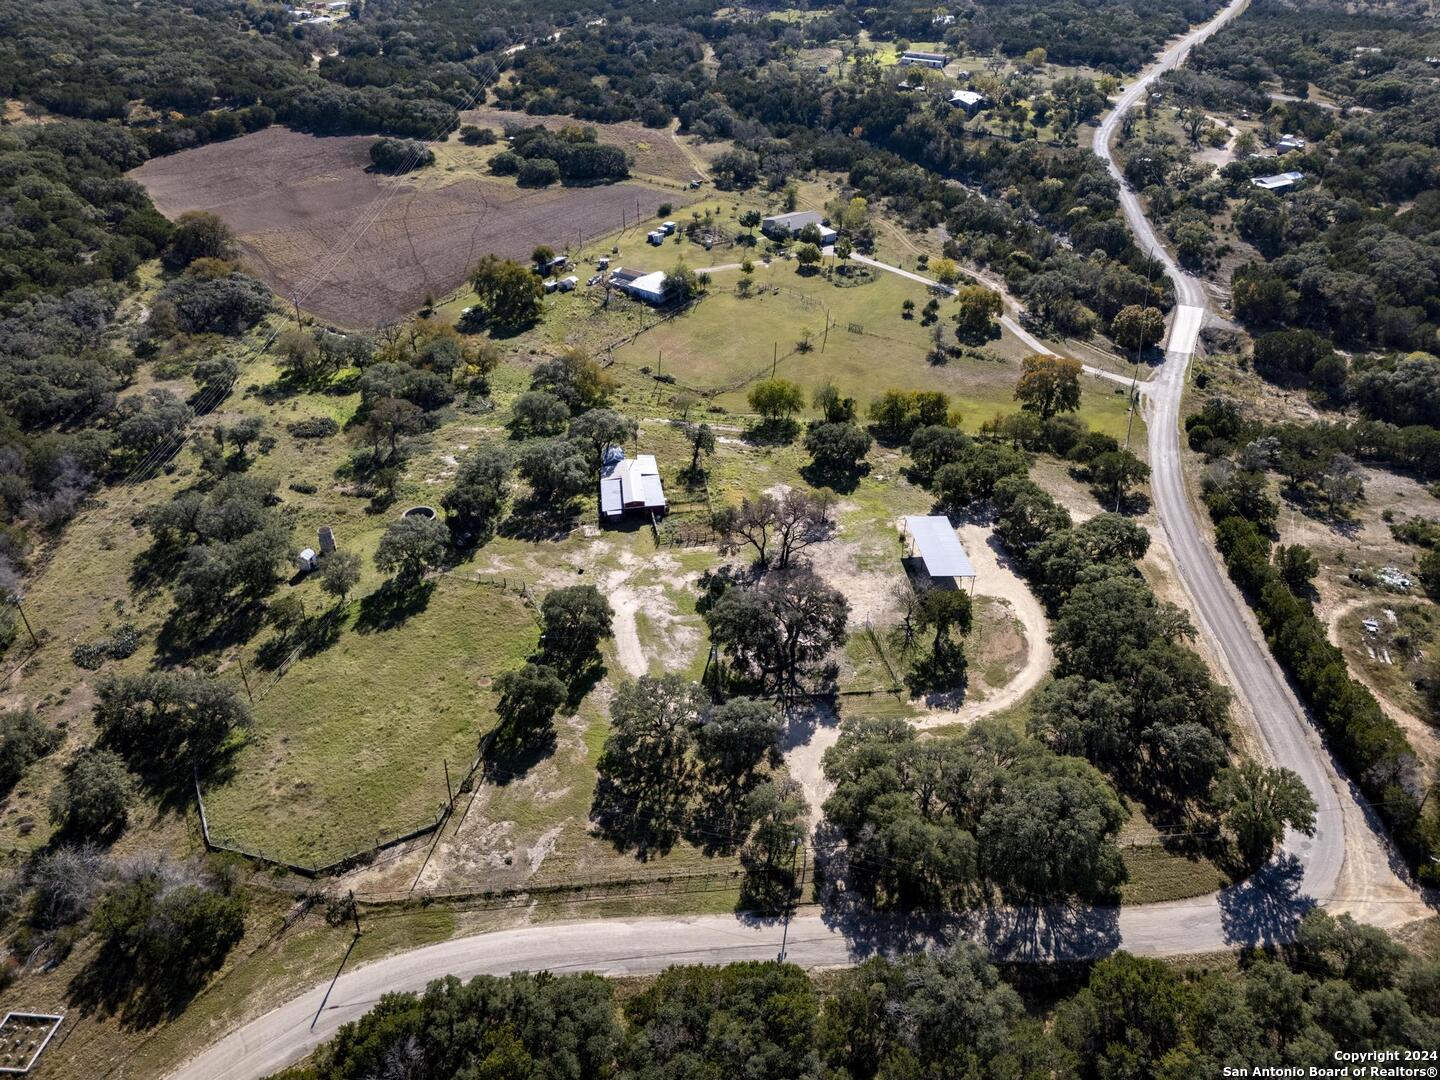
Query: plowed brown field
{"x":363,"y":248}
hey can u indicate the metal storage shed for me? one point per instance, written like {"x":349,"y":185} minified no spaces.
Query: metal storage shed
{"x":933,"y":539}
{"x":630,"y":484}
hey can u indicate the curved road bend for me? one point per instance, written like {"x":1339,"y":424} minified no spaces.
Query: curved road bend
{"x":1260,"y":909}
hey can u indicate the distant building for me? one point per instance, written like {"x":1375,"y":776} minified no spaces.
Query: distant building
{"x":649,"y":287}
{"x":327,"y":540}
{"x":668,"y":228}
{"x":789,"y":226}
{"x":550,"y":285}
{"x":915,"y":58}
{"x":1278,"y":182}
{"x":656,"y":237}
{"x":565,"y":284}
{"x":932,"y":540}
{"x":1287,"y":143}
{"x":972,"y":101}
{"x":630,"y":485}
{"x":943,"y":20}
{"x":307,"y":560}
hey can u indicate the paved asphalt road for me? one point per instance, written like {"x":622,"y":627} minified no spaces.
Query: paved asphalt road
{"x":1224,"y":618}
{"x":1260,"y":909}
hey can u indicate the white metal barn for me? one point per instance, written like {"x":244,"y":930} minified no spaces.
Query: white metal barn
{"x":630,"y":485}
{"x":932,"y":539}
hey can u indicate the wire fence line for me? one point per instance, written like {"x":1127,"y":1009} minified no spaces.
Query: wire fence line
{"x":578,"y":889}
{"x":362,"y":856}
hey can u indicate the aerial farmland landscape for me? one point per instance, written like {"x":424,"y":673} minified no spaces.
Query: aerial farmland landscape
{"x":664,"y":541}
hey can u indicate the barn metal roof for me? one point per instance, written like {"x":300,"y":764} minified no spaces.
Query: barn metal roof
{"x":939,"y":547}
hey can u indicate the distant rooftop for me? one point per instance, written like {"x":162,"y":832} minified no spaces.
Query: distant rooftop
{"x":1278,"y":181}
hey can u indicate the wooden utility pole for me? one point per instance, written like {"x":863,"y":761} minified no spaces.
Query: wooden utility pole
{"x":246,"y":679}
{"x":775,"y":360}
{"x":34,"y":641}
{"x":296,"y":298}
{"x":355,"y":912}
{"x":448,"y":789}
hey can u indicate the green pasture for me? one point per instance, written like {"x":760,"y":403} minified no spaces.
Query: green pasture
{"x":348,"y":745}
{"x":727,"y":342}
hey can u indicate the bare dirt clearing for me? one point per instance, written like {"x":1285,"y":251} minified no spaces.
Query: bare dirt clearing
{"x":295,"y":201}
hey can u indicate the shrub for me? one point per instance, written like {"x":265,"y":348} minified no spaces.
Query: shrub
{"x":24,"y":739}
{"x":313,"y":427}
{"x":538,"y":172}
{"x":120,"y":643}
{"x":400,"y":155}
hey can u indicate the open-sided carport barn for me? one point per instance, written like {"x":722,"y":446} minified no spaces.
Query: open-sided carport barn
{"x":932,"y":540}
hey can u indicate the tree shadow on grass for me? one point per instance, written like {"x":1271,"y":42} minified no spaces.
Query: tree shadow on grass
{"x":841,"y":481}
{"x":772,"y":433}
{"x":580,"y":682}
{"x":719,"y":825}
{"x":975,"y":339}
{"x":392,"y":604}
{"x":768,"y":889}
{"x":312,"y":637}
{"x":186,"y":634}
{"x":534,"y":519}
{"x":640,"y":812}
{"x":511,"y":755}
{"x":938,"y":673}
{"x":109,"y":983}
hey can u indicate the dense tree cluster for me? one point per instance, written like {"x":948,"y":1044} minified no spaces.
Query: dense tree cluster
{"x":166,"y":722}
{"x":936,"y":822}
{"x":1351,"y":254}
{"x":226,"y":545}
{"x":676,"y":764}
{"x":573,"y":151}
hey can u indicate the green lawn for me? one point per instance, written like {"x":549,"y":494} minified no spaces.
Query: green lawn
{"x":727,"y":341}
{"x":348,"y":746}
{"x":1157,"y":875}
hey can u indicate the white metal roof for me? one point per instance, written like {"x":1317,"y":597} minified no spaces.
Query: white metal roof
{"x":630,"y":483}
{"x":1279,"y":180}
{"x":651,"y":284}
{"x":939,"y":547}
